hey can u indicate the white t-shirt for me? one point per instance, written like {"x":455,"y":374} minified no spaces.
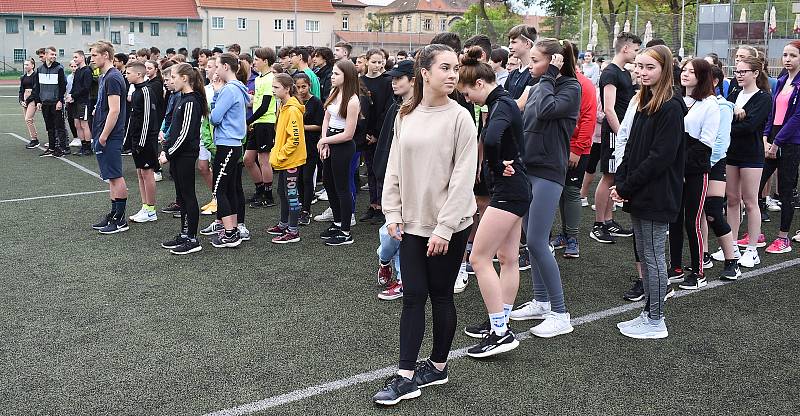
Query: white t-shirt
{"x":744,"y":97}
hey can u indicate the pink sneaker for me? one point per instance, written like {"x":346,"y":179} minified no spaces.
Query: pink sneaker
{"x":394,"y":291}
{"x":277,"y":230}
{"x":780,"y":245}
{"x":384,"y":274}
{"x":286,"y":238}
{"x":744,"y":242}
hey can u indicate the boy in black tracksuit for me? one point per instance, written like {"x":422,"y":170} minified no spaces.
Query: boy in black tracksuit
{"x":48,"y":92}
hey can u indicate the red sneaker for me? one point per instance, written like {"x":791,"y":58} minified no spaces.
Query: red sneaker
{"x":384,"y":274}
{"x":394,"y":291}
{"x":286,"y":238}
{"x":277,"y":230}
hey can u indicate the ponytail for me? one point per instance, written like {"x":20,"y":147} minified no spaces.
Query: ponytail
{"x":552,"y":46}
{"x":195,"y":81}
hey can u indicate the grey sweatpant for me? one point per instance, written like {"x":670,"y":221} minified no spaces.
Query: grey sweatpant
{"x":651,"y":242}
{"x":544,"y":269}
{"x":570,"y":206}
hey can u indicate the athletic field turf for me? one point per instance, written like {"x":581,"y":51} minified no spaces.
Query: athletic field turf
{"x":96,"y":325}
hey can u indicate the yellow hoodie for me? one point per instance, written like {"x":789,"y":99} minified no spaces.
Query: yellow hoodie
{"x":290,"y":141}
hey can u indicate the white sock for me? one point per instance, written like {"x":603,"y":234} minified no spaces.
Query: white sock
{"x":497,"y":322}
{"x":507,"y":310}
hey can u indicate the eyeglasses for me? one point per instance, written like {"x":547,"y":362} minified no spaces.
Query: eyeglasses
{"x":742,"y":72}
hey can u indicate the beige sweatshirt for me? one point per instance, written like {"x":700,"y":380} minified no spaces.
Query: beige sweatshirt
{"x":431,"y":171}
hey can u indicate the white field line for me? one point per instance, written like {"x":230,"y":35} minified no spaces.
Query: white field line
{"x":33,"y":198}
{"x":320,"y":389}
{"x":63,"y":159}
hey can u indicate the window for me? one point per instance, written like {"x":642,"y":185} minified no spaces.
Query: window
{"x":132,"y":27}
{"x":278,"y":24}
{"x":116,"y":38}
{"x":241,"y":23}
{"x":19,"y":55}
{"x":345,"y":22}
{"x":153,"y":29}
{"x":86,"y":28}
{"x":217,"y":23}
{"x":442,"y":25}
{"x":60,"y":53}
{"x":289,"y":24}
{"x":60,"y":27}
{"x":312,"y":25}
{"x":12,"y":26}
{"x":141,"y":27}
{"x":31,"y":26}
{"x":426,"y":25}
{"x":96,"y":25}
{"x":408,"y":23}
{"x":182,"y":29}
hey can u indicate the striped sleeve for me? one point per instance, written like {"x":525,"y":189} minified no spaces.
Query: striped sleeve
{"x":186,"y":121}
{"x":145,"y":116}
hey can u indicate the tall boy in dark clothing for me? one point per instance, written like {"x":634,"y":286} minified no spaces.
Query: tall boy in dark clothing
{"x":48,"y":92}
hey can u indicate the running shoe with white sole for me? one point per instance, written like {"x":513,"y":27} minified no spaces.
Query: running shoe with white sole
{"x":531,"y":310}
{"x":652,"y":329}
{"x":554,"y":324}
{"x":326,"y":216}
{"x":462,"y":280}
{"x":213,"y":228}
{"x":494,"y":344}
{"x":395,"y":389}
{"x":749,"y":259}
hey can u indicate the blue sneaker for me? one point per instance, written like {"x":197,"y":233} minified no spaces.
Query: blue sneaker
{"x":558,"y":242}
{"x":572,"y":251}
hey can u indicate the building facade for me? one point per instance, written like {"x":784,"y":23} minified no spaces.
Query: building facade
{"x":350,"y":15}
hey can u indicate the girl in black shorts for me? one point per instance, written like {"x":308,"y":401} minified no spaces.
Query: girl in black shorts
{"x":500,"y":227}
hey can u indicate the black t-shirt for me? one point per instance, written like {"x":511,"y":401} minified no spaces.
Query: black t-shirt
{"x":381,"y":93}
{"x":313,"y":115}
{"x":621,"y":79}
{"x":112,"y":83}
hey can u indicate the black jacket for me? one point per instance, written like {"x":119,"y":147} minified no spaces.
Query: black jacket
{"x":747,"y":144}
{"x":324,"y":75}
{"x":50,"y":84}
{"x":143,"y":124}
{"x":549,"y":120}
{"x":651,"y":174}
{"x":384,"y":144}
{"x":183,"y":138}
{"x":381,"y":94}
{"x":82,"y":85}
{"x":502,"y":139}
{"x":157,"y":89}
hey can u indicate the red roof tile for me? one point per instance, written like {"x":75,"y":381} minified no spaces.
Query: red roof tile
{"x":384,"y":37}
{"x":442,"y":6}
{"x":319,"y":6}
{"x":102,"y":8}
{"x":348,"y":3}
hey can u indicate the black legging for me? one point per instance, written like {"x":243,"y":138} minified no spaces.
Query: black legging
{"x":694,"y":196}
{"x":227,"y":171}
{"x":183,"y":171}
{"x":289,"y":196}
{"x":335,"y":177}
{"x":54,"y":123}
{"x":428,"y":276}
{"x":240,"y":193}
{"x":787,"y":182}
{"x":307,"y":184}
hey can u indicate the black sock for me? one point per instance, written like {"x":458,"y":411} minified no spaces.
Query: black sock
{"x":268,"y":186}
{"x":597,"y":223}
{"x":260,"y":187}
{"x":230,"y":233}
{"x":119,"y":211}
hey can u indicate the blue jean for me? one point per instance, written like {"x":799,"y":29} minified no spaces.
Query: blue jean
{"x":389,"y":249}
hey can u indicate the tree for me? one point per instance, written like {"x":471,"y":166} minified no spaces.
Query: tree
{"x":494,"y":21}
{"x":558,"y":10}
{"x":377,"y":22}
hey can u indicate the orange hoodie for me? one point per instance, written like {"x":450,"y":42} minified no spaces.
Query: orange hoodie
{"x":290,"y":141}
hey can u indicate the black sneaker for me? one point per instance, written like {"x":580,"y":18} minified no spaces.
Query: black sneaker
{"x":115,"y":226}
{"x":369,"y":215}
{"x":426,"y":374}
{"x":269,"y":201}
{"x":765,"y":216}
{"x":340,"y":239}
{"x":670,"y":292}
{"x":175,"y":242}
{"x":66,"y":151}
{"x":103,"y":222}
{"x":46,"y":153}
{"x":636,"y":292}
{"x":601,"y":234}
{"x":172,"y":208}
{"x":617,"y":230}
{"x":731,"y":270}
{"x":32,"y":144}
{"x":126,"y":152}
{"x":478,"y":331}
{"x":693,"y":282}
{"x":223,"y":240}
{"x":255,"y":198}
{"x":304,"y":218}
{"x":190,"y":245}
{"x":378,"y":218}
{"x":330,"y":232}
{"x":675,"y":275}
{"x":524,"y":259}
{"x":395,"y":389}
{"x":494,"y":344}
{"x":707,"y":262}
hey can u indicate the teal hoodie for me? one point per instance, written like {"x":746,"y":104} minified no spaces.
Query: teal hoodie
{"x":228,"y":114}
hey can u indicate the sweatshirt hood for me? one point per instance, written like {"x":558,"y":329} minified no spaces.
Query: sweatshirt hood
{"x":242,"y":88}
{"x":293,"y":102}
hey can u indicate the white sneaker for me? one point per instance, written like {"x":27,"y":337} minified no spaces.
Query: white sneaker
{"x":158,"y":176}
{"x":554,"y":324}
{"x":326,"y":216}
{"x":719,"y":255}
{"x":143,"y":216}
{"x":773,"y":205}
{"x":585,"y":202}
{"x":352,"y":220}
{"x":244,"y":233}
{"x":75,"y":143}
{"x":462,"y":280}
{"x":594,"y":207}
{"x":138,"y":214}
{"x":796,"y":236}
{"x":635,"y":321}
{"x":364,"y":187}
{"x":646,"y":330}
{"x":750,"y":259}
{"x":323,"y":196}
{"x":530,"y":310}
